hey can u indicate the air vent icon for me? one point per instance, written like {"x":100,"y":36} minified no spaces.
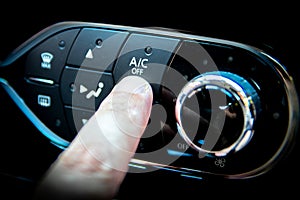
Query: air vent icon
{"x":46,"y":60}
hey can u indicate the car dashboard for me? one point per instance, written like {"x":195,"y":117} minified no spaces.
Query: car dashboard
{"x":224,"y":118}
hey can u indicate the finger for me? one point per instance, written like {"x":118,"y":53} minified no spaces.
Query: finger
{"x":112,"y":135}
{"x":97,"y":160}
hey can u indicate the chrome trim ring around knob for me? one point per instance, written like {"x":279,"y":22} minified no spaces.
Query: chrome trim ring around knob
{"x":240,"y":89}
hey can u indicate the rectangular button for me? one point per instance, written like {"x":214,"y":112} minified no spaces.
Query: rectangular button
{"x":96,"y":48}
{"x":77,"y":118}
{"x":145,"y":55}
{"x":48,"y":59}
{"x":85,"y":88}
{"x":45,"y":102}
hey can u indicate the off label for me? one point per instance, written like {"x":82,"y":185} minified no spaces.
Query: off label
{"x":138,"y":65}
{"x":182,"y":146}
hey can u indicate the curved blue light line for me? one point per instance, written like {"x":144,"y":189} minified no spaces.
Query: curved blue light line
{"x":55,"y":139}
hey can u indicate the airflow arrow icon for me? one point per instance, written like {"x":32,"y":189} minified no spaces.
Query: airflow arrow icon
{"x":82,"y":89}
{"x":89,"y":54}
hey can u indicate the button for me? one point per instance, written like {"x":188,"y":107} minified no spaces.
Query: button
{"x":85,"y":88}
{"x":191,"y":59}
{"x":152,"y":138}
{"x":46,"y":104}
{"x":96,"y":48}
{"x":48,"y":59}
{"x":146,"y":56}
{"x":77,"y":118}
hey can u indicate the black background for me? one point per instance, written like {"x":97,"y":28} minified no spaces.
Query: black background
{"x":272,"y":27}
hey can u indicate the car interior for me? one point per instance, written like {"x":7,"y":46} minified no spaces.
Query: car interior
{"x":225,"y":115}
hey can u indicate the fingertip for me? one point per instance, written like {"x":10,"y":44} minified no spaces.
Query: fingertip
{"x":137,"y":100}
{"x":134,"y":84}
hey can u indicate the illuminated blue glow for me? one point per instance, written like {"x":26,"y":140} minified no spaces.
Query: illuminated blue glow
{"x":55,"y":139}
{"x":189,"y":176}
{"x":178,"y":153}
{"x":209,"y":155}
{"x":59,"y":146}
{"x":226,"y":92}
{"x":201,"y":141}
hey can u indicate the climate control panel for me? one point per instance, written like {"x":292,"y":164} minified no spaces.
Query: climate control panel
{"x":221,"y":108}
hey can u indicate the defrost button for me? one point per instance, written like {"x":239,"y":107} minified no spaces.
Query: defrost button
{"x":44,"y":101}
{"x":48,"y":59}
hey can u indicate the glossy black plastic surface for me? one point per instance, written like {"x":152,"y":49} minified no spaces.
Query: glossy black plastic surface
{"x":168,"y":60}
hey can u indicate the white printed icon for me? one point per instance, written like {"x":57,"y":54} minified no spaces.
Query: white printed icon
{"x":89,"y":54}
{"x":82,"y":89}
{"x":138,"y":65}
{"x":46,"y":60}
{"x":44,"y":100}
{"x":92,"y":93}
{"x":84,"y":121}
{"x":220,"y":162}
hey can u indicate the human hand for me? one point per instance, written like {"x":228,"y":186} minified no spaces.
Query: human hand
{"x":96,"y":162}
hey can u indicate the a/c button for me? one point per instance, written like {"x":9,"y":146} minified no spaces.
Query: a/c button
{"x":146,"y":56}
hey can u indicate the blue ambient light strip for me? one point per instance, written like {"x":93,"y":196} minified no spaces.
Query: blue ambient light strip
{"x":56,"y":140}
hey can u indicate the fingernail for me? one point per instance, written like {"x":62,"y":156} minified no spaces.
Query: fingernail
{"x":140,"y":99}
{"x":132,"y":84}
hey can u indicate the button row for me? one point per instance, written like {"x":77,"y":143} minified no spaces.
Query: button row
{"x":85,"y":64}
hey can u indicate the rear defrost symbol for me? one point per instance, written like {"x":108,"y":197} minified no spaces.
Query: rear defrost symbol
{"x":44,"y":100}
{"x":92,"y":93}
{"x":46,"y":60}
